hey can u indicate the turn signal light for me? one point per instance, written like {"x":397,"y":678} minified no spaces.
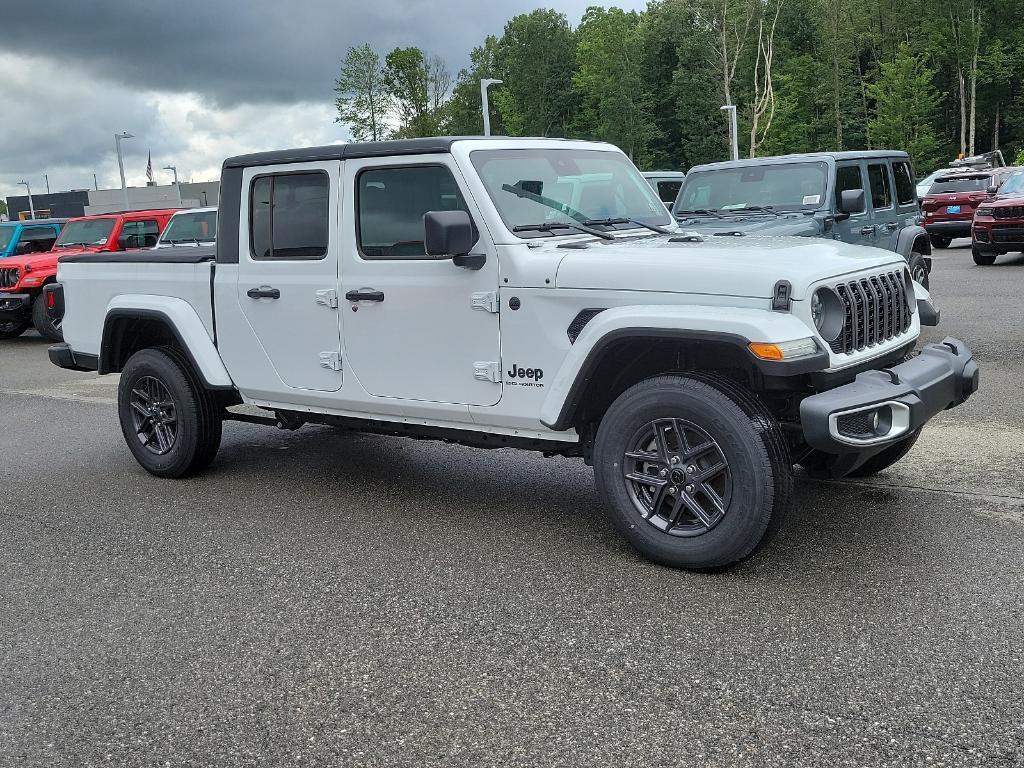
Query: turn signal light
{"x":785,"y":350}
{"x":766,"y":351}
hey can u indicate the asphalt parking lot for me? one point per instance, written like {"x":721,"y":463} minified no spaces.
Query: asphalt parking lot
{"x":324,"y":599}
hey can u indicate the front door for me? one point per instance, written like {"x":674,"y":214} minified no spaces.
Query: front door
{"x":288,"y":274}
{"x":857,"y":228}
{"x":416,"y":327}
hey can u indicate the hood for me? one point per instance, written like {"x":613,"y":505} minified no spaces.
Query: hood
{"x":754,"y":224}
{"x":736,"y":266}
{"x":1013,"y":200}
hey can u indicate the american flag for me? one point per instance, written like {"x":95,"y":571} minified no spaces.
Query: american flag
{"x":149,"y":166}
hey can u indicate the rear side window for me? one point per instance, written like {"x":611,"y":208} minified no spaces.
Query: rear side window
{"x":289,"y":216}
{"x":847,"y":177}
{"x":391,"y":202}
{"x":41,"y":238}
{"x":139,"y":234}
{"x":668,"y":191}
{"x":906,"y":190}
{"x":881,"y":193}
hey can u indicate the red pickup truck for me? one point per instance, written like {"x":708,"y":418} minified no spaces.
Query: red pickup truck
{"x":22,"y":278}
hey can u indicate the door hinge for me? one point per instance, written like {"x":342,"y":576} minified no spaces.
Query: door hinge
{"x":330,"y":360}
{"x":327,"y":297}
{"x":486,"y":300}
{"x":487,"y":372}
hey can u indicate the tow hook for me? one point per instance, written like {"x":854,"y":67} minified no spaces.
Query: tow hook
{"x":288,"y":420}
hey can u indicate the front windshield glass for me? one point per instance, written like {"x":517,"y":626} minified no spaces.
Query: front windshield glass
{"x":191,"y":227}
{"x":538,"y":188}
{"x":1014,"y":185}
{"x":85,"y":232}
{"x":779,"y":186}
{"x":6,"y":233}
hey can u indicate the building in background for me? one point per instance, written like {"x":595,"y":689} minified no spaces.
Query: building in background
{"x":86,"y":202}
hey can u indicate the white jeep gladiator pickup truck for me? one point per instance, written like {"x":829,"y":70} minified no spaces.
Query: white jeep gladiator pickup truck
{"x":525,"y":293}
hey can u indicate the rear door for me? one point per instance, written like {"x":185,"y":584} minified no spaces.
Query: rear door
{"x":907,"y":208}
{"x":857,"y":228}
{"x":882,"y":201}
{"x":288,"y":275}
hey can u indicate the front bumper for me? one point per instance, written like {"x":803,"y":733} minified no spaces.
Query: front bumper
{"x":15,"y":304}
{"x":881,"y":407}
{"x":998,"y":239}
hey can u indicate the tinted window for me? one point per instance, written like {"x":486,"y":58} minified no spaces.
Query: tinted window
{"x":37,"y":239}
{"x":881,"y":193}
{"x":139,"y":234}
{"x":906,"y":191}
{"x":668,"y":190}
{"x":946,"y":186}
{"x":847,"y":177}
{"x":6,"y":233}
{"x":391,"y":203}
{"x":289,"y":216}
{"x":776,"y":185}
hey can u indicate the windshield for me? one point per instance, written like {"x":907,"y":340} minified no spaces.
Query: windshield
{"x":6,"y":233}
{"x":85,"y":232}
{"x":949,"y":186}
{"x":537,"y":187}
{"x":191,"y":227}
{"x":780,"y":186}
{"x":1014,"y":185}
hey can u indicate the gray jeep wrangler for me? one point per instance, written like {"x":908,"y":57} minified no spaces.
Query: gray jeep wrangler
{"x":868,"y":198}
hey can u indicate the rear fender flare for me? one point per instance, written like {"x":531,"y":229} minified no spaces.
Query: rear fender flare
{"x":911,"y":239}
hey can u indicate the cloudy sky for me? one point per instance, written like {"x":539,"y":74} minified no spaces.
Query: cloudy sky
{"x":196,"y":81}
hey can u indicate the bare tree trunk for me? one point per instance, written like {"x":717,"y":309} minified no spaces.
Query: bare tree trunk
{"x":835,"y":74}
{"x":764,"y":91}
{"x":976,"y":34}
{"x":963,"y":112}
{"x":995,"y":131}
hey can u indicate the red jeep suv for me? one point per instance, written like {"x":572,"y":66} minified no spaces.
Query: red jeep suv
{"x":999,"y":223}
{"x":948,"y":207}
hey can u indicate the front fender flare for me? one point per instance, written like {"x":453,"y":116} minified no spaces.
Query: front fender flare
{"x":183,"y":322}
{"x":694,"y":323}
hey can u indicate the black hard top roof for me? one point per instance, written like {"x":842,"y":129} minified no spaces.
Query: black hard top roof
{"x":428,"y":146}
{"x":866,"y":154}
{"x":31,"y":222}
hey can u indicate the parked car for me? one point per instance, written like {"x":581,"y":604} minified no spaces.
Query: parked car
{"x":22,"y":278}
{"x":864,"y":198}
{"x":925,"y":184}
{"x":949,"y":206}
{"x":194,"y":226}
{"x":666,"y":183}
{"x":998,"y":225}
{"x":691,"y":372}
{"x":20,"y":238}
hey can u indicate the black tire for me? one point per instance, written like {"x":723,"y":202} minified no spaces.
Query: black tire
{"x":983,"y":259}
{"x":941,"y":241}
{"x":12,"y":329}
{"x":746,"y":437}
{"x":197,"y":422}
{"x":42,"y":322}
{"x":888,"y":457}
{"x":918,"y":268}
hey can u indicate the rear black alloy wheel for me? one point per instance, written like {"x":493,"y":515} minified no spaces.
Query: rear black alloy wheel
{"x":677,"y":477}
{"x":941,"y":241}
{"x":42,"y":321}
{"x":154,"y":415}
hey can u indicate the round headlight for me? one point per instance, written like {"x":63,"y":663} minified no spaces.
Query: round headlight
{"x":828,"y":313}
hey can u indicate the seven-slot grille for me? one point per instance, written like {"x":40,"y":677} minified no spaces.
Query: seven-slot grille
{"x":8,"y":277}
{"x":1008,"y":212}
{"x":876,"y":311}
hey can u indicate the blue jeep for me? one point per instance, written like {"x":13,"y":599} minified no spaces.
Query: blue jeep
{"x":868,"y":198}
{"x":18,"y":238}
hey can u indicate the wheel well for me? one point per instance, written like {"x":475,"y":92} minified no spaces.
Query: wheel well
{"x":922,"y":245}
{"x":124,"y":335}
{"x":631,"y":360}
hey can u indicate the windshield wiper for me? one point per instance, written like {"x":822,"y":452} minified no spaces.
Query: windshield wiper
{"x":701,"y":211}
{"x":758,"y":208}
{"x":551,"y":225}
{"x":634,"y":222}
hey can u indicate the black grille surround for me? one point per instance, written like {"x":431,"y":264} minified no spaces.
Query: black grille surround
{"x":8,"y":277}
{"x":876,"y":311}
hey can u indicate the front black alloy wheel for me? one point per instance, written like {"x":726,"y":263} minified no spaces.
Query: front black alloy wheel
{"x":12,"y":329}
{"x":941,"y":241}
{"x":918,"y":269}
{"x":678,"y":477}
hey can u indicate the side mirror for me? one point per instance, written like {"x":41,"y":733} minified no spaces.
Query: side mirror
{"x":992,"y":190}
{"x":851,"y":201}
{"x":450,"y":234}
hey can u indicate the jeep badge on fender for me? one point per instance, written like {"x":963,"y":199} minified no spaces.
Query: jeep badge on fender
{"x":525,"y":373}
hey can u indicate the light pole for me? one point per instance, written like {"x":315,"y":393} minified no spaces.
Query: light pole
{"x":47,"y":177}
{"x":174,"y":168}
{"x":118,"y":137}
{"x":486,"y":83}
{"x":734,"y":133}
{"x":31,"y":207}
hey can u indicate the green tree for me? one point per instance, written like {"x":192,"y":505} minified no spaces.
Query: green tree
{"x":363,"y":100}
{"x":609,"y":81}
{"x":464,"y":110}
{"x":3,"y":207}
{"x":536,"y":57}
{"x":419,"y":86}
{"x":905,"y":101}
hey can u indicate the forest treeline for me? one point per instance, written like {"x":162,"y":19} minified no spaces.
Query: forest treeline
{"x":933,"y":77}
